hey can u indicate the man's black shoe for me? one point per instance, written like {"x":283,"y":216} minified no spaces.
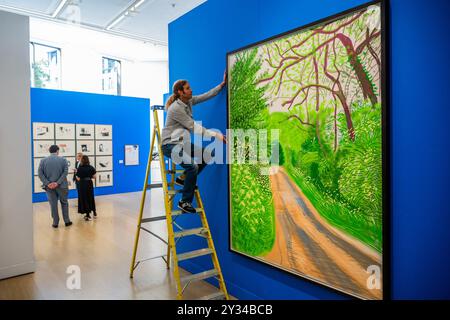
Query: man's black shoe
{"x":55,"y":226}
{"x":69,"y":223}
{"x":186,"y":207}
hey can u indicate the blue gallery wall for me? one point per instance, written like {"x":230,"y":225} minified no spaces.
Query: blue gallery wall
{"x":419,"y":113}
{"x":130,"y":118}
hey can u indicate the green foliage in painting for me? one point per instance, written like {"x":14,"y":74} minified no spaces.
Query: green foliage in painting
{"x":252,"y":206}
{"x":253,"y":215}
{"x":247,"y":101}
{"x":345,"y":186}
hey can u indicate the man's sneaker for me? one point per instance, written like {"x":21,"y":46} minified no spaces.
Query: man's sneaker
{"x":179,"y":181}
{"x":186,"y":207}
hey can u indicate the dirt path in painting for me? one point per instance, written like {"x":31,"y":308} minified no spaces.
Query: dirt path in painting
{"x":307,"y":244}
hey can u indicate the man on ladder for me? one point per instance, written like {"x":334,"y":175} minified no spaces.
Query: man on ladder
{"x":179,"y":124}
{"x":175,"y":136}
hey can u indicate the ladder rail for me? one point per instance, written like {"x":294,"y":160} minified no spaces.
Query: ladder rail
{"x":141,"y":208}
{"x":171,"y":216}
{"x":215,"y":259}
{"x":171,"y":249}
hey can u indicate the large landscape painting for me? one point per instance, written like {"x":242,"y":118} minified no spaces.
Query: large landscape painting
{"x":316,"y":209}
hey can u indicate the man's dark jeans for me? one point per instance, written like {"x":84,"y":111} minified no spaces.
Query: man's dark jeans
{"x":191,"y":168}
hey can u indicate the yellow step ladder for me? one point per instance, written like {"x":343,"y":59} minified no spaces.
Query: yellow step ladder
{"x":171,"y":216}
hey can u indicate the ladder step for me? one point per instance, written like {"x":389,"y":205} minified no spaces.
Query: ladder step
{"x":173,"y":192}
{"x":178,"y":212}
{"x":154,"y":185}
{"x":214,"y":296}
{"x":199,"y":276}
{"x":194,"y":254}
{"x":175,"y":171}
{"x":190,"y":232}
{"x":174,"y":213}
{"x":153,"y":219}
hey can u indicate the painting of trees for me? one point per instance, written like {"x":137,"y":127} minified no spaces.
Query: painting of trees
{"x":321,"y":87}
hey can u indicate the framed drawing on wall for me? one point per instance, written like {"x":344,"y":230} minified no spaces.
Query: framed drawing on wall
{"x":37,"y":185}
{"x":103,"y":132}
{"x":131,"y":155}
{"x":41,"y":147}
{"x":71,"y":183}
{"x":36,"y":162}
{"x":66,"y":148}
{"x":71,"y":162}
{"x":86,"y":147}
{"x":318,"y":195}
{"x":103,"y":148}
{"x":103,"y":163}
{"x":65,"y":131}
{"x":104,"y":179}
{"x":43,"y":131}
{"x":85,"y":131}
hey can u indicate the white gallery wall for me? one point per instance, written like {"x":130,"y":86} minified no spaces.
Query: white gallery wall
{"x":16,"y":219}
{"x":144,"y":65}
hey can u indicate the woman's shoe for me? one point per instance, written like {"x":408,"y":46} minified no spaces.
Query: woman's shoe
{"x":87,"y":217}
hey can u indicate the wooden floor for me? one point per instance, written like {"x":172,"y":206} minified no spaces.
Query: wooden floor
{"x":102,"y":248}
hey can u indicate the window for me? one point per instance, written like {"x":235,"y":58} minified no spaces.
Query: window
{"x":111,"y":76}
{"x":45,"y":66}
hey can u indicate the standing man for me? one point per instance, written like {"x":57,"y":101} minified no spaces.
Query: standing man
{"x":53,"y":172}
{"x":77,"y":163}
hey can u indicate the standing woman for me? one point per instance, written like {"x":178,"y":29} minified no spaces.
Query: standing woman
{"x":179,"y":124}
{"x":85,"y":174}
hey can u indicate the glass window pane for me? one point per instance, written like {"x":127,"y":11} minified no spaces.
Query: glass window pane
{"x":111,"y":76}
{"x":45,"y":66}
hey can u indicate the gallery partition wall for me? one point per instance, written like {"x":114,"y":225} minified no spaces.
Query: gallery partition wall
{"x":16,"y":219}
{"x":418,"y":253}
{"x":99,"y":126}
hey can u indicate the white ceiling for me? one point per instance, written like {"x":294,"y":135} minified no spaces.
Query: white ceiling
{"x":148,"y":23}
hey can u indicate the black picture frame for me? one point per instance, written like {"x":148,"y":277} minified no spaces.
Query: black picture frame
{"x":386,"y":167}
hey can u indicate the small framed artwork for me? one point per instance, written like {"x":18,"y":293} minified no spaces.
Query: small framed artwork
{"x":103,"y":148}
{"x":131,"y":155}
{"x":65,"y":131}
{"x":85,"y":131}
{"x":43,"y":131}
{"x":104,"y":179}
{"x":103,"y":132}
{"x":36,"y":162}
{"x":71,"y":161}
{"x":66,"y":148}
{"x":40,"y":148}
{"x":71,"y":184}
{"x":38,"y":185}
{"x":86,"y":147}
{"x":103,"y":163}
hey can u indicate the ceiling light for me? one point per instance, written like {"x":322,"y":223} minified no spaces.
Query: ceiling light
{"x":127,"y":12}
{"x":116,"y":21}
{"x":58,"y":10}
{"x":138,"y":4}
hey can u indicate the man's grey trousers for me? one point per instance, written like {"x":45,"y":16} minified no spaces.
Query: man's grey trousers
{"x":53,"y":197}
